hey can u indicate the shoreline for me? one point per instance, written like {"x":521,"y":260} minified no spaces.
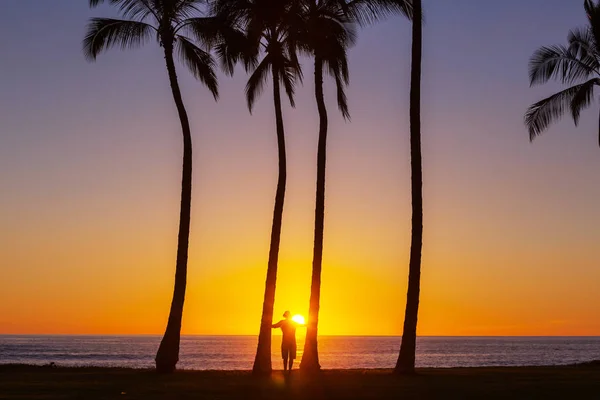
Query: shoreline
{"x":576,"y":381}
{"x":56,"y":366}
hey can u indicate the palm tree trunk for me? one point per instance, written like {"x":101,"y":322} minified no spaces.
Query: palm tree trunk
{"x":168,"y":351}
{"x":262,"y":361}
{"x":310,"y":358}
{"x":406,"y":358}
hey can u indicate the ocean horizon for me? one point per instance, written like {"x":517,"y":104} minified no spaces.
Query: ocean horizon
{"x":236,"y":352}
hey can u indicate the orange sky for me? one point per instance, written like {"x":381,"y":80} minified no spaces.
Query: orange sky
{"x":90,"y":174}
{"x":92,"y":277}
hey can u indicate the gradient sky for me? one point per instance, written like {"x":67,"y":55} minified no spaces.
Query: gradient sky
{"x":90,"y":159}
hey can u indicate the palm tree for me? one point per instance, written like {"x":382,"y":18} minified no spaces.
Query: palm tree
{"x":325,"y":34}
{"x":577,"y":64}
{"x":266,"y":24}
{"x":169,"y":21}
{"x":406,"y":358}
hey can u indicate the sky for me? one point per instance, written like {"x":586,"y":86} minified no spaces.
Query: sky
{"x":90,"y":164}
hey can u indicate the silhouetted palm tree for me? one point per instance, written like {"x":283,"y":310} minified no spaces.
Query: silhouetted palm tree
{"x":406,"y":358}
{"x":324,"y":33}
{"x":579,"y":62}
{"x":266,"y":23}
{"x":173,"y":25}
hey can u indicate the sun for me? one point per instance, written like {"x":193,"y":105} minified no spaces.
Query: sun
{"x":298,"y":318}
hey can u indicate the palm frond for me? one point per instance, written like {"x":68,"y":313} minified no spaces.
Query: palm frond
{"x":138,"y":9}
{"x":103,"y":33}
{"x":199,"y":62}
{"x":583,"y":98}
{"x":541,"y":114}
{"x":132,"y":9}
{"x":342,"y":99}
{"x":164,"y":9}
{"x":185,"y":9}
{"x":560,"y":63}
{"x":589,"y":7}
{"x":289,"y":73}
{"x":367,"y":12}
{"x":593,"y":13}
{"x":236,"y":48}
{"x":204,"y":29}
{"x":335,"y":57}
{"x":230,"y":43}
{"x":323,"y":34}
{"x":333,"y":9}
{"x":257,"y":80}
{"x":582,"y":42}
{"x":244,"y":12}
{"x":336,"y":64}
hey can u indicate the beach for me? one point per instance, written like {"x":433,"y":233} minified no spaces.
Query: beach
{"x":562,"y":382}
{"x":217,"y":367}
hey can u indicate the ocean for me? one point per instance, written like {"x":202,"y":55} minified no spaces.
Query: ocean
{"x":343,"y":352}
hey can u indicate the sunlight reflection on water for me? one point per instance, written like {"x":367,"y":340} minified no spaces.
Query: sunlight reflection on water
{"x":237,"y":352}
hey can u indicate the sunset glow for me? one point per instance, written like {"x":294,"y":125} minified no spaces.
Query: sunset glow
{"x":90,"y":172}
{"x":298,"y":318}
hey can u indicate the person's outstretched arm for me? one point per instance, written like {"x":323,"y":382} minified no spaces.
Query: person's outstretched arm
{"x":277,"y":325}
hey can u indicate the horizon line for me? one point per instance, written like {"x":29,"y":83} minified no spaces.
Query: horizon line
{"x":274,"y":334}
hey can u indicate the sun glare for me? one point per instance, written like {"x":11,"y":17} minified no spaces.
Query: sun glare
{"x":298,"y":318}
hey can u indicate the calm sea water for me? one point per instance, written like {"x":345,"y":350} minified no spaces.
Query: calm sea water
{"x":237,"y":352}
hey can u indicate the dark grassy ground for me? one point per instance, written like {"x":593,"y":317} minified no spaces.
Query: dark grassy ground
{"x":29,"y":382}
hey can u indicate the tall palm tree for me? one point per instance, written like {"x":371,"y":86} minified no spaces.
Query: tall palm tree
{"x":577,"y":64}
{"x":175,"y":24}
{"x":266,"y":23}
{"x":406,"y":358}
{"x":325,"y":34}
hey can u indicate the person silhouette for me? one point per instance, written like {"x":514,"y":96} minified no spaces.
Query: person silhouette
{"x":288,"y":342}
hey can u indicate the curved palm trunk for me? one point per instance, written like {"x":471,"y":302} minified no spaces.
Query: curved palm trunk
{"x":406,"y":358}
{"x":262,"y":361}
{"x":310,"y":358}
{"x":168,"y":351}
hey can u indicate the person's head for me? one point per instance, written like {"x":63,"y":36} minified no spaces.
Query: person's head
{"x":287,"y":315}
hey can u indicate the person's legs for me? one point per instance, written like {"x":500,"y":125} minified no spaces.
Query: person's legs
{"x":284,"y":355}
{"x":292,"y":355}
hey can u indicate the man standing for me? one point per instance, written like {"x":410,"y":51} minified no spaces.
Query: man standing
{"x":288,"y":343}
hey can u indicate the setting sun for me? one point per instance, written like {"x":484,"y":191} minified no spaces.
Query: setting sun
{"x":298,"y":318}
